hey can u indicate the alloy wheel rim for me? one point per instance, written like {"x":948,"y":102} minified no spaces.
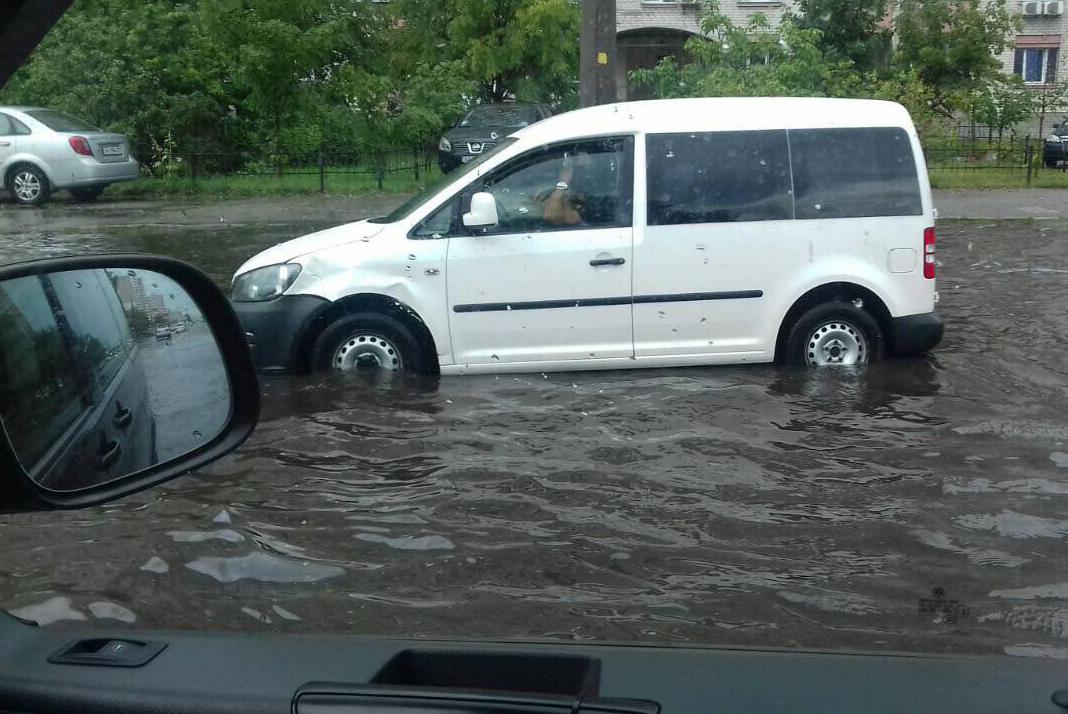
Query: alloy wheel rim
{"x":27,"y":186}
{"x":836,"y":343}
{"x":367,"y":352}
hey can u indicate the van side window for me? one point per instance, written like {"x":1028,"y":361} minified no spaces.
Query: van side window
{"x":438,"y":224}
{"x":584,"y":184}
{"x":849,"y":173}
{"x":718,"y":177}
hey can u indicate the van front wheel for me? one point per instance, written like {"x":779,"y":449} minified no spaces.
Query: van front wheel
{"x":369,"y":342}
{"x":832,"y":334}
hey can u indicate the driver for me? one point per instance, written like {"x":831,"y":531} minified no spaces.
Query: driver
{"x":564,"y":205}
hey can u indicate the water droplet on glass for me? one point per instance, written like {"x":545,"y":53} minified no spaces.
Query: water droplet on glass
{"x":495,"y":358}
{"x":197,"y":434}
{"x":77,"y":284}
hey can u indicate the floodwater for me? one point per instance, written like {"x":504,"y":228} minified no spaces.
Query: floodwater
{"x":917,"y":505}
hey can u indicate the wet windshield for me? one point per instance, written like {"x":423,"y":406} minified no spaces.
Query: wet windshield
{"x":677,"y":386}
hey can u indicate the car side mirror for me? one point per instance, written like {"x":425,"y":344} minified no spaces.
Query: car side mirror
{"x":117,"y":373}
{"x":483,"y":213}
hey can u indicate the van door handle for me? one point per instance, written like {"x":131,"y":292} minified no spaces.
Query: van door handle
{"x":108,"y":455}
{"x":607,"y":261}
{"x":123,"y":416}
{"x":4,"y":143}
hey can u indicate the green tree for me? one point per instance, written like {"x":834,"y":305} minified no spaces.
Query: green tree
{"x":523,"y":49}
{"x":755,"y":59}
{"x":853,"y":29}
{"x":283,"y":56}
{"x":143,"y":68}
{"x":1001,"y":103}
{"x":952,"y":45}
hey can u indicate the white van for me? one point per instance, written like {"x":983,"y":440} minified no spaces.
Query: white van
{"x":644,"y":234}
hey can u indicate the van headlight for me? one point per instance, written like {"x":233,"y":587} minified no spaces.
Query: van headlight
{"x":445,"y":145}
{"x":265,"y":283}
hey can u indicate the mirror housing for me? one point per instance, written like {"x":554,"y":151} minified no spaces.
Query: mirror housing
{"x":93,"y":332}
{"x":483,"y":213}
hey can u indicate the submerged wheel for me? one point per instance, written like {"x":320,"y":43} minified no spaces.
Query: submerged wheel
{"x":834,"y":333}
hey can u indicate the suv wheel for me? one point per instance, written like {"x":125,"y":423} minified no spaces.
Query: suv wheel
{"x":29,"y":185}
{"x":370,"y":342}
{"x":832,"y":334}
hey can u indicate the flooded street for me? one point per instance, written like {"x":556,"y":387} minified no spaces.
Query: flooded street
{"x":917,"y":505}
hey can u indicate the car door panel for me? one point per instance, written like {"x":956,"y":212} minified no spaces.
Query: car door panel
{"x":551,"y":281}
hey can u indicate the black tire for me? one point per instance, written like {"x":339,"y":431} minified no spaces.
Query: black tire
{"x":87,"y":193}
{"x":1051,"y":163}
{"x":411,"y":355}
{"x":798,"y":345}
{"x":23,"y":172}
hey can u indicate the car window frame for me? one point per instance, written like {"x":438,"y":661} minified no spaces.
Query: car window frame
{"x":20,"y":128}
{"x":649,"y":174}
{"x":629,"y":140}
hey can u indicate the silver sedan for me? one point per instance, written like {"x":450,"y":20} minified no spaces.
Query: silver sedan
{"x":42,"y":150}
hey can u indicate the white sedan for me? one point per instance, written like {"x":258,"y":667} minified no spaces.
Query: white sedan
{"x":43,"y":150}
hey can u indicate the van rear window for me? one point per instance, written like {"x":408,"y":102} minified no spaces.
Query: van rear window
{"x":847,"y":173}
{"x":718,"y":177}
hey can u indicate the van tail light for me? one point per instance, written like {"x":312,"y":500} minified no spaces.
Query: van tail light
{"x":929,"y":253}
{"x":80,"y":145}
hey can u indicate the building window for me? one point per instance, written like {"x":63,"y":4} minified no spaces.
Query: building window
{"x":1036,"y":65}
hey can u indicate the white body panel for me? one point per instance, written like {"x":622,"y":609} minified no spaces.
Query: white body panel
{"x":754,"y":271}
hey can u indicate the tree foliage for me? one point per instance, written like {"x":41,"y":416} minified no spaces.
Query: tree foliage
{"x":853,"y":29}
{"x":278,"y":79}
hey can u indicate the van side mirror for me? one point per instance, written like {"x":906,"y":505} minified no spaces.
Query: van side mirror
{"x":117,"y":373}
{"x":483,"y":213}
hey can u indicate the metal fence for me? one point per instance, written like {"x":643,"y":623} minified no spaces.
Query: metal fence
{"x":379,"y":165}
{"x":967,"y":151}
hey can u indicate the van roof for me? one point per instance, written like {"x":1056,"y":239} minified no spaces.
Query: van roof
{"x":718,"y":114}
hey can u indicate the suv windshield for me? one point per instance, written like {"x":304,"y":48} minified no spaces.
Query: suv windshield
{"x":508,"y":117}
{"x":58,"y":121}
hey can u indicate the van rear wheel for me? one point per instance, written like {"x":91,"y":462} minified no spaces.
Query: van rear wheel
{"x":832,"y":334}
{"x":367,"y":342}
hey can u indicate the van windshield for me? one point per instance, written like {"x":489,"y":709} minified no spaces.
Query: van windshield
{"x":432,"y":189}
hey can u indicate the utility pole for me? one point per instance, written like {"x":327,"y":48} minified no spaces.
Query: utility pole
{"x":597,"y":63}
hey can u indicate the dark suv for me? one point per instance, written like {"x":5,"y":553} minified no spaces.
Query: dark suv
{"x":1055,"y":148}
{"x":482,"y":128}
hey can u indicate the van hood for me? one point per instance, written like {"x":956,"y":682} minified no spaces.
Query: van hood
{"x":311,"y":243}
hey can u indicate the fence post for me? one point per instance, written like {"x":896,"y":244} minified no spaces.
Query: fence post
{"x":1029,"y":155}
{"x":415,"y":161}
{"x":322,"y":172}
{"x":193,"y":170}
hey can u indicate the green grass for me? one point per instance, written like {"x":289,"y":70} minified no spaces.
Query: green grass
{"x":268,"y":185}
{"x":980,"y":178}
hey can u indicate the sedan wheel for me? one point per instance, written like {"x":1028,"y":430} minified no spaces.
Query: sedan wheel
{"x":29,"y":185}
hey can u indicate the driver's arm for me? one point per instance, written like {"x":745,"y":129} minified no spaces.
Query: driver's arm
{"x":559,"y":210}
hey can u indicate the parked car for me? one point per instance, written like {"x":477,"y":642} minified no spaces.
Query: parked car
{"x":1055,"y":148}
{"x":482,"y":128}
{"x":651,"y":234}
{"x":43,"y":150}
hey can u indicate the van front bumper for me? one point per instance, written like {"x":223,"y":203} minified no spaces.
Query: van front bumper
{"x":276,"y":330}
{"x":913,"y":334}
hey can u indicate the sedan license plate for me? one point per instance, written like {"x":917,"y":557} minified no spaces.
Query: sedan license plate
{"x":465,"y":159}
{"x":114,"y":150}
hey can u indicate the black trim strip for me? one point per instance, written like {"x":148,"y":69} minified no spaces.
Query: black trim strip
{"x":602,"y":302}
